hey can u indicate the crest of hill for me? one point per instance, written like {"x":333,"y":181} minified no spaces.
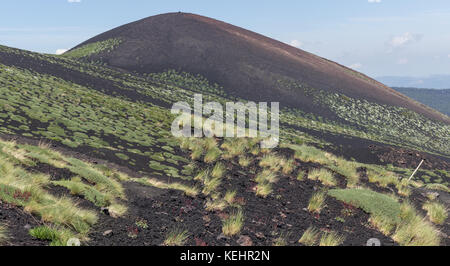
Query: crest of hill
{"x":248,"y":65}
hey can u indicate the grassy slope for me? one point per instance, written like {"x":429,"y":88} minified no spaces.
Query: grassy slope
{"x":130,"y":126}
{"x":156,"y":92}
{"x":103,"y":187}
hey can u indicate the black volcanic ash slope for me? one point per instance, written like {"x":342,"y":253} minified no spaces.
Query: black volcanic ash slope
{"x":247,"y":64}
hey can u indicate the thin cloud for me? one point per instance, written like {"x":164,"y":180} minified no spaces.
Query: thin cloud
{"x":74,"y":1}
{"x":374,"y":1}
{"x":60,"y":51}
{"x":401,"y":41}
{"x":403,"y":61}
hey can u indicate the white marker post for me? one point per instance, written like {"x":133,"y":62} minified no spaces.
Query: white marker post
{"x":415,"y":171}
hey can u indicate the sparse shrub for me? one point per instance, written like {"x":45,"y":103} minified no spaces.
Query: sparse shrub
{"x":122,"y":156}
{"x":288,"y":166}
{"x":310,"y":237}
{"x":416,"y":232}
{"x":317,"y":201}
{"x":188,"y":190}
{"x":383,"y":178}
{"x":266,"y":176}
{"x":281,"y":240}
{"x":263,"y":189}
{"x":233,"y":224}
{"x":176,"y":237}
{"x":216,"y":205}
{"x":3,"y":234}
{"x":210,"y":184}
{"x":436,"y":212}
{"x":384,"y":224}
{"x":403,"y":188}
{"x":245,"y":161}
{"x":310,"y":154}
{"x":407,"y":211}
{"x":197,"y":153}
{"x":58,"y":237}
{"x":142,"y":223}
{"x":210,"y":144}
{"x":272,"y":162}
{"x":438,"y":187}
{"x":301,"y":175}
{"x":202,"y":175}
{"x":77,"y":187}
{"x":234,"y":147}
{"x":212,"y":155}
{"x":348,"y":170}
{"x":255,"y":151}
{"x":218,"y":171}
{"x":323,"y":175}
{"x":331,"y":239}
{"x":230,"y":197}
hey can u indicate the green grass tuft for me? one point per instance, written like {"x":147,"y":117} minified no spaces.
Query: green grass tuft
{"x":176,"y":237}
{"x":233,"y":224}
{"x":436,"y":212}
{"x":324,"y":176}
{"x":310,"y":237}
{"x":370,"y":201}
{"x":331,"y":239}
{"x":317,"y":201}
{"x":58,"y":237}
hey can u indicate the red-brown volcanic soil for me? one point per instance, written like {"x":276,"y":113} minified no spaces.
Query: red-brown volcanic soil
{"x":245,"y":63}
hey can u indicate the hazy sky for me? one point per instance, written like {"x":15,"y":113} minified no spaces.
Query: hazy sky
{"x":377,"y":37}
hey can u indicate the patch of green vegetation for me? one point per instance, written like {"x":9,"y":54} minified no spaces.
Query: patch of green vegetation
{"x":3,"y":234}
{"x":210,"y":184}
{"x":93,"y":48}
{"x":438,"y":187}
{"x":331,"y":239}
{"x":324,"y":176}
{"x":436,"y":212}
{"x":28,"y":189}
{"x":310,"y":236}
{"x":77,"y":187}
{"x":122,"y":156}
{"x":176,"y":237}
{"x":218,"y":171}
{"x":189,"y":190}
{"x":58,"y":237}
{"x":102,"y":182}
{"x":25,"y":189}
{"x":264,"y":181}
{"x":245,"y":161}
{"x":301,"y":175}
{"x":281,"y":240}
{"x":317,"y":201}
{"x":233,"y":224}
{"x":382,"y":123}
{"x":414,"y":230}
{"x":388,"y":215}
{"x":370,"y":201}
{"x":142,"y":223}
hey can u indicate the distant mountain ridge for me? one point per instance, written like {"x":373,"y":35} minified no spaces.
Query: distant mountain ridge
{"x":433,"y":81}
{"x":438,"y":99}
